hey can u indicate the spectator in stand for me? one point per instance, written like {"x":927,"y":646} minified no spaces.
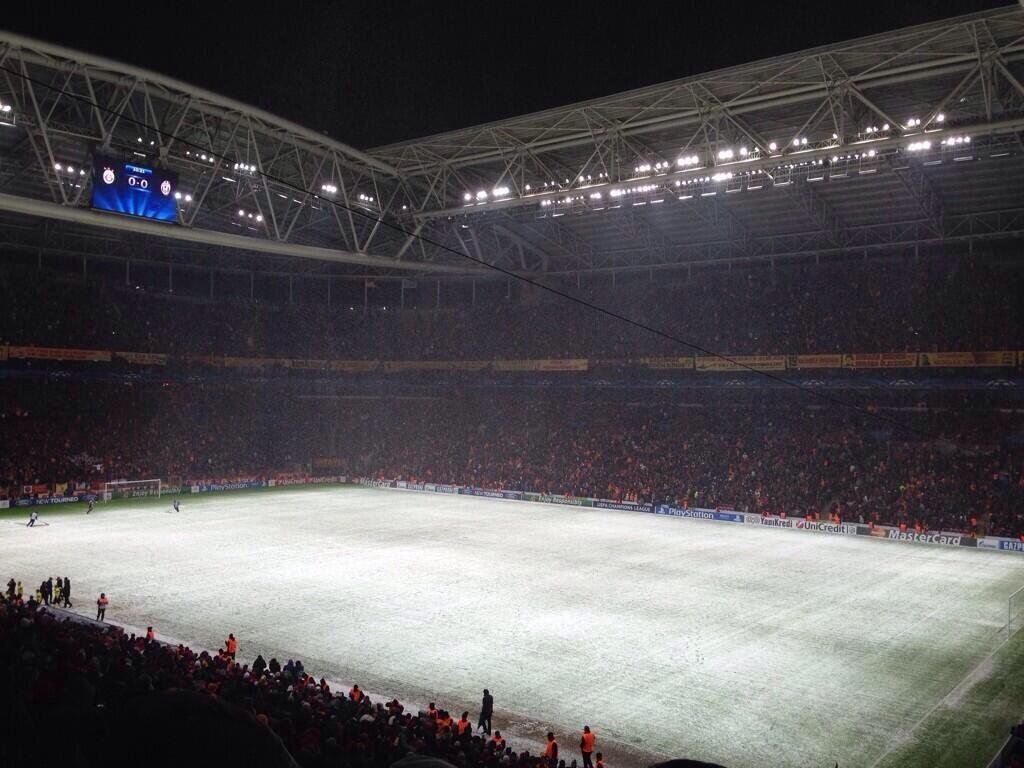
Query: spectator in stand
{"x":101,"y":607}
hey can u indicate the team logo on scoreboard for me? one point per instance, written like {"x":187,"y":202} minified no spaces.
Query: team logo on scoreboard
{"x":108,"y":176}
{"x":165,"y":187}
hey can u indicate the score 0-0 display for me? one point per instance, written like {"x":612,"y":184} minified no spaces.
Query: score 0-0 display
{"x":133,"y":189}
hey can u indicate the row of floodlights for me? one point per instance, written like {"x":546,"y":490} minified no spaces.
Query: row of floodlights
{"x":68,"y":169}
{"x":244,"y":214}
{"x":200,"y":156}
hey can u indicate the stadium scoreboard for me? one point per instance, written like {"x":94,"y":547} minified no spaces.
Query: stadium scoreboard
{"x":134,"y":189}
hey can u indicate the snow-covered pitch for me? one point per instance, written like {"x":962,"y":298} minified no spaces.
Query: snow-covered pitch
{"x":721,"y":642}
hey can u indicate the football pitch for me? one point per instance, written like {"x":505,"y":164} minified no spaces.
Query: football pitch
{"x":735,"y":644}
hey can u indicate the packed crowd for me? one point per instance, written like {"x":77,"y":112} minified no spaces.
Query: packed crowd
{"x":936,"y":304}
{"x":127,"y":700}
{"x":950,"y":468}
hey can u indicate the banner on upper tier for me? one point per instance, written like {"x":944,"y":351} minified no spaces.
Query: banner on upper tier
{"x":881,"y":360}
{"x":250,"y":362}
{"x":142,"y":358}
{"x":815,"y":361}
{"x":684,"y":362}
{"x":551,"y":364}
{"x":741,"y":363}
{"x":306,"y":365}
{"x":353,"y":366}
{"x":369,"y":482}
{"x":699,"y":514}
{"x":60,"y":353}
{"x":968,"y":359}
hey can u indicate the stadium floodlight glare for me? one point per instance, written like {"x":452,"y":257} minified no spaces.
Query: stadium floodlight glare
{"x":241,"y":212}
{"x":595,"y":195}
{"x":940,"y":118}
{"x":527,"y":187}
{"x":467,"y":197}
{"x":499,"y":191}
{"x":687,"y":161}
{"x":71,"y":169}
{"x":725,"y":154}
{"x":913,"y":122}
{"x":743,"y":151}
{"x":188,"y":198}
{"x":259,"y":217}
{"x":57,"y":166}
{"x":5,"y":108}
{"x":329,"y":188}
{"x":722,"y":176}
{"x":919,"y":146}
{"x":481,"y":195}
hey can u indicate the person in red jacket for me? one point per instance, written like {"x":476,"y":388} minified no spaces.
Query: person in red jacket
{"x":600,"y":761}
{"x":463,"y":724}
{"x":101,"y":607}
{"x":587,"y":746}
{"x":149,"y":634}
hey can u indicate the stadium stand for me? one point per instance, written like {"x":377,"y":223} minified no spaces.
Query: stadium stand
{"x":124,"y":700}
{"x":961,"y":470}
{"x":895,"y":305}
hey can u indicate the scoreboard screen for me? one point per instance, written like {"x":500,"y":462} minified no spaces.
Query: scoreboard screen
{"x":134,"y":189}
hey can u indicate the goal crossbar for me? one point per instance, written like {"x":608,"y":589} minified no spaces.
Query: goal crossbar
{"x":1014,"y":609}
{"x":125,"y":488}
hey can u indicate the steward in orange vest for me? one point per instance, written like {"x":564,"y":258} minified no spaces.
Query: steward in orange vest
{"x":551,"y":750}
{"x":587,"y":746}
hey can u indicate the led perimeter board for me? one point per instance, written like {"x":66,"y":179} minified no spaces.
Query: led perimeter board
{"x":133,"y":189}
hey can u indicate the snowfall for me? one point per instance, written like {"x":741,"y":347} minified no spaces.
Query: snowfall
{"x":670,"y":637}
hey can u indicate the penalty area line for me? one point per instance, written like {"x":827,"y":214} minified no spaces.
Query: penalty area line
{"x":974,"y":675}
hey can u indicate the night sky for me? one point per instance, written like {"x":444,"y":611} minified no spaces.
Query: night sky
{"x":373,"y":73}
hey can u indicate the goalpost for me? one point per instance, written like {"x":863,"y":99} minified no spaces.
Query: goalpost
{"x":121,"y":489}
{"x":1014,"y":612}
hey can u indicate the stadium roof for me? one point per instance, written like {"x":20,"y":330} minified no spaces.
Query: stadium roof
{"x":889,"y":142}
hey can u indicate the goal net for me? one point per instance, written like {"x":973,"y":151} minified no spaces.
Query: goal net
{"x":128,"y":489}
{"x":1015,"y":612}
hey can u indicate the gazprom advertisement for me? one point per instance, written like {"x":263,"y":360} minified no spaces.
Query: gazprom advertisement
{"x":133,"y":189}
